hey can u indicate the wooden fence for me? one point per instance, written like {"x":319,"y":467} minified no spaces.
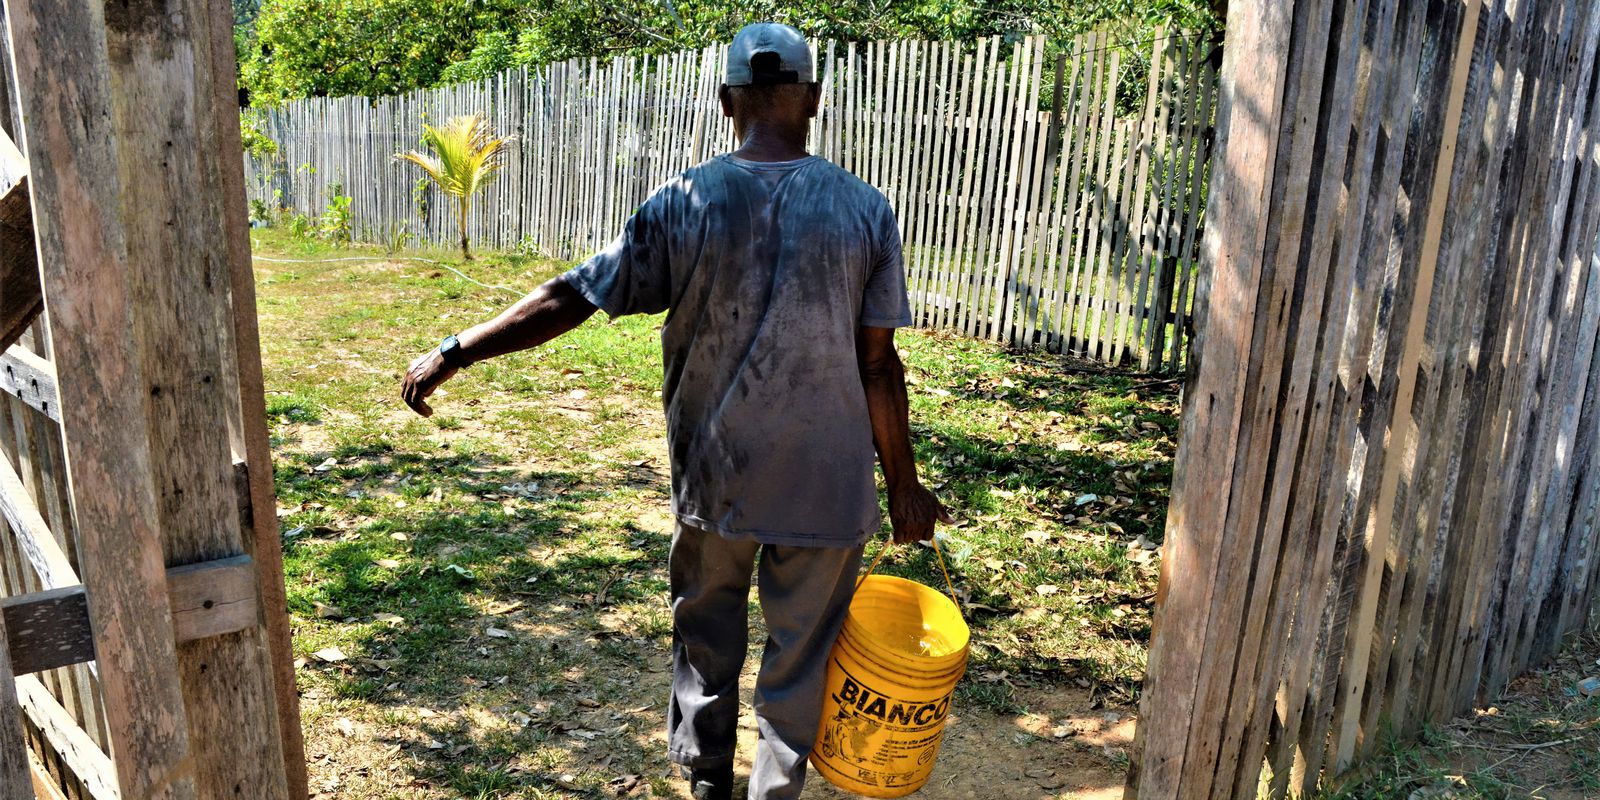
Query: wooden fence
{"x":1384,"y":503}
{"x":1035,"y":208}
{"x":144,"y":641}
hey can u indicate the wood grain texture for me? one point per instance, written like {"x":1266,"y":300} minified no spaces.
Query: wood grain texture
{"x":76,"y":177}
{"x":30,"y":379}
{"x":260,"y":534}
{"x":31,"y":534}
{"x":1403,"y":516}
{"x":20,"y":298}
{"x":1248,"y":123}
{"x":45,"y":787}
{"x":139,"y":287}
{"x":214,"y":598}
{"x":15,"y":783}
{"x":87,"y":763}
{"x":47,"y":630}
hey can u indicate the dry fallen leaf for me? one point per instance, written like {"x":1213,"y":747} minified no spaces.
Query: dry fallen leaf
{"x":496,"y":633}
{"x":1047,"y":589}
{"x":326,"y":611}
{"x":346,"y":727}
{"x":331,"y":655}
{"x":387,"y":563}
{"x":387,"y":618}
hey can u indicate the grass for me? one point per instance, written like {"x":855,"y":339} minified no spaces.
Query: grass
{"x":477,"y":598}
{"x":1540,"y":740}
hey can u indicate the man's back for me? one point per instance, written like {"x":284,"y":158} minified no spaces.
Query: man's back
{"x":783,"y":281}
{"x":768,"y":270}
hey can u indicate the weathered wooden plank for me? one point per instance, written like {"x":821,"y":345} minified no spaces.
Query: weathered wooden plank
{"x":75,"y":178}
{"x":259,"y":531}
{"x":44,"y":786}
{"x":213,"y":599}
{"x":20,"y":298}
{"x":1399,"y":378}
{"x":130,"y":250}
{"x":51,"y":628}
{"x":32,"y":534}
{"x":1365,"y":398}
{"x":9,"y":114}
{"x":1299,"y":255}
{"x":31,"y":379}
{"x":1095,"y":176}
{"x":1184,"y":314}
{"x":1481,"y":493}
{"x":47,"y":630}
{"x":87,"y":762}
{"x":1072,"y":233}
{"x":1241,"y":191}
{"x":1547,"y":350}
{"x":15,"y":783}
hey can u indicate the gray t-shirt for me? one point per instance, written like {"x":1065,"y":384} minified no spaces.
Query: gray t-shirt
{"x":767,"y":271}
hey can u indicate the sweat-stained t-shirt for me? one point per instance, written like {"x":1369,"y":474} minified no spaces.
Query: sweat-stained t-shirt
{"x":767,"y":270}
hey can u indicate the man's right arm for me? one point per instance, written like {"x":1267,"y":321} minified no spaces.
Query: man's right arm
{"x":547,"y":312}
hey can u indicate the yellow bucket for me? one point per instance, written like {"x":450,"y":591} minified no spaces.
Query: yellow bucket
{"x":891,"y":675}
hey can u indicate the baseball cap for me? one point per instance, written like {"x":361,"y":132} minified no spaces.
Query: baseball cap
{"x":767,"y":53}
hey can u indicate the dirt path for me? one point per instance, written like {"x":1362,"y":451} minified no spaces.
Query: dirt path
{"x":1063,"y":749}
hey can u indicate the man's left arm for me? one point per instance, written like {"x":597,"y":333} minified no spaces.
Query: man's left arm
{"x":913,"y":509}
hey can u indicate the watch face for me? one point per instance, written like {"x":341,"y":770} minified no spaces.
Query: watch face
{"x":450,"y":351}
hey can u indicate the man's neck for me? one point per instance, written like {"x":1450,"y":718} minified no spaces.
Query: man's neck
{"x":768,"y":143}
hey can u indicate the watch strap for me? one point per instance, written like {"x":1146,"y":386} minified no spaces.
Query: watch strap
{"x":450,"y":351}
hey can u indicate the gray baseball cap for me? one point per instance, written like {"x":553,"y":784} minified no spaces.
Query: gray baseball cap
{"x":789,"y":60}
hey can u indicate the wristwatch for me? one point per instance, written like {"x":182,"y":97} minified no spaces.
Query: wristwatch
{"x":450,"y":351}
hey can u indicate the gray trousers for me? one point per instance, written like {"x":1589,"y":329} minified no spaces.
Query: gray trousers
{"x":805,"y":593}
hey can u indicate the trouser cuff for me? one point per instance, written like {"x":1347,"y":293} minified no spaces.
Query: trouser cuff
{"x":683,"y":759}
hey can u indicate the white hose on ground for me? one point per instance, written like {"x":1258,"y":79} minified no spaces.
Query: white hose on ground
{"x":464,"y":276}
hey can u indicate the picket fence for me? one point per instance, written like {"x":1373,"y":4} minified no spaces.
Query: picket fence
{"x":1036,"y":208}
{"x":1385,"y":494}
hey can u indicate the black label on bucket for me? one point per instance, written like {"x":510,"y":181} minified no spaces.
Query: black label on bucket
{"x":889,"y":711}
{"x":888,"y":742}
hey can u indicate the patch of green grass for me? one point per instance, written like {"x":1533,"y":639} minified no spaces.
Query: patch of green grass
{"x":536,"y":505}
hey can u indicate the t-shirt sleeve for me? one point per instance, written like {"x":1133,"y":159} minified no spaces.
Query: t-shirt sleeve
{"x":885,"y":304}
{"x":632,"y":275}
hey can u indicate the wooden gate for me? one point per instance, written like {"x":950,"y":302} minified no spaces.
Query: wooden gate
{"x":144,"y":643}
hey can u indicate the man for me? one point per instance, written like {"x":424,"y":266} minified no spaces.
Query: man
{"x":782,"y":278}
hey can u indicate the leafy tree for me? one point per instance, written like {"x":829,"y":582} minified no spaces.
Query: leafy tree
{"x":301,"y":48}
{"x":465,"y":155}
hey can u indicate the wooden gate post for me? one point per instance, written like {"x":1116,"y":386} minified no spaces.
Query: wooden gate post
{"x":146,"y":278}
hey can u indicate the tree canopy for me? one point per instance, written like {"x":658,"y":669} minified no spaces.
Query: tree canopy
{"x":301,"y":48}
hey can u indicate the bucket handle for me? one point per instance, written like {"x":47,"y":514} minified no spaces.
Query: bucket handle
{"x":936,"y":551}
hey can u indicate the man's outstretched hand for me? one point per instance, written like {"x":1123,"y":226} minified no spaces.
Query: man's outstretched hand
{"x":425,"y":375}
{"x":913,"y":510}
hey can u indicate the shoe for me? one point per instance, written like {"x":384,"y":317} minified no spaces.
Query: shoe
{"x":709,"y":783}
